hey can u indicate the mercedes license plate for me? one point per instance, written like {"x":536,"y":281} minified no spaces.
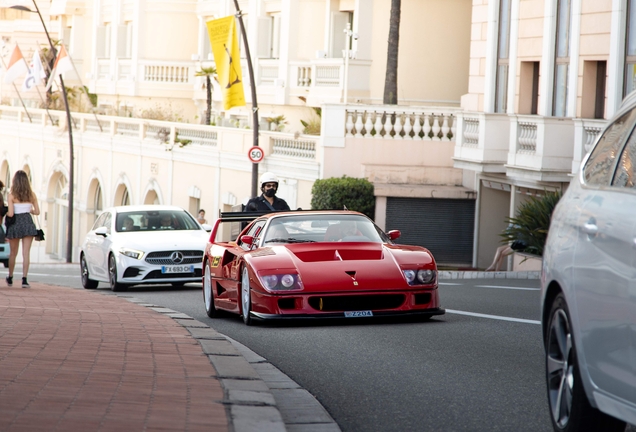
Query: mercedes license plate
{"x":356,"y":314}
{"x":177,"y":269}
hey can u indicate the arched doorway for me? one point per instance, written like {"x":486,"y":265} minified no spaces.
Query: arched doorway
{"x":122,"y":197}
{"x":57,"y":215}
{"x":94,"y":201}
{"x":151,"y":198}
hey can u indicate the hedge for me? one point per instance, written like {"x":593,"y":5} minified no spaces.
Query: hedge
{"x":337,"y":193}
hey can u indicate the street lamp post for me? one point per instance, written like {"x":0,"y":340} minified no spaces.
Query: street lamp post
{"x":69,"y":123}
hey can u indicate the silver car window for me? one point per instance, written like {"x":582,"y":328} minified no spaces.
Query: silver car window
{"x":626,"y":170}
{"x":600,"y":166}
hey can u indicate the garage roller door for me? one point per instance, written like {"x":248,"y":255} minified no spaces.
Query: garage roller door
{"x":444,"y":226}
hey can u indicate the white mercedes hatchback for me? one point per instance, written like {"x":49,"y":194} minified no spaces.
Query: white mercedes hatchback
{"x":149,"y":244}
{"x":589,"y":287}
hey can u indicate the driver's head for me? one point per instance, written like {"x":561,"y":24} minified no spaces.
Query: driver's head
{"x":348,"y":228}
{"x":269,"y":184}
{"x":166,"y":220}
{"x":128,"y":224}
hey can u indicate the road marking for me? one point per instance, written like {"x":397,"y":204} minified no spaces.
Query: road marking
{"x":449,"y":283}
{"x":507,"y":287}
{"x":496,"y":317}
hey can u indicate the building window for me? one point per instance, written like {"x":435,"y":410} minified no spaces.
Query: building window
{"x":503,"y":50}
{"x":529,"y":88}
{"x":562,"y":60}
{"x":337,"y":42}
{"x":593,"y":94}
{"x":630,"y":49}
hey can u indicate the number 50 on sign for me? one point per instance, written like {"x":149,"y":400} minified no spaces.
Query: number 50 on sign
{"x":256,"y":154}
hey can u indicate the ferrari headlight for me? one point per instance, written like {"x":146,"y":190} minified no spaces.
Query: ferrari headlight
{"x":419,"y":277}
{"x":425,"y":276}
{"x":409,"y":275}
{"x":131,"y":253}
{"x":281,"y":282}
{"x":270,"y":281}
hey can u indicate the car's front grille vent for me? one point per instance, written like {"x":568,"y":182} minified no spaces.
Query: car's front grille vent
{"x":357,"y":303}
{"x":131,"y":272}
{"x":165,"y":257}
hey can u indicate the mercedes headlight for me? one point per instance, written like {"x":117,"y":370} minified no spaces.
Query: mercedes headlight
{"x":131,"y":253}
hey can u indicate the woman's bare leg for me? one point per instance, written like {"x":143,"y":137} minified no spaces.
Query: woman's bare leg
{"x":496,"y":262}
{"x":26,"y":254}
{"x":14,"y":244}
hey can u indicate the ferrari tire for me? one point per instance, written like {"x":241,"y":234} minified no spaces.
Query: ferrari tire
{"x":112,"y":276}
{"x":569,"y":407}
{"x":87,"y":282}
{"x":208,"y":292}
{"x":246,"y":297}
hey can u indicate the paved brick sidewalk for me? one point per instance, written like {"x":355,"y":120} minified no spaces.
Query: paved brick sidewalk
{"x":72,"y":360}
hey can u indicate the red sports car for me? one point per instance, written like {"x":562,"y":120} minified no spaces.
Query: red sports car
{"x":314,"y":264}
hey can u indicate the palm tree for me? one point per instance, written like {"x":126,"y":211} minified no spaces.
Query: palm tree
{"x":390,"y":79}
{"x":208,"y":73}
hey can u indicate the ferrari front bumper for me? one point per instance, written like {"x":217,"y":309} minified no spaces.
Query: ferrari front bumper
{"x":341,"y":315}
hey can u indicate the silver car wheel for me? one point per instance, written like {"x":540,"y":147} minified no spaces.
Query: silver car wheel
{"x":246,"y":302}
{"x":560,"y":368}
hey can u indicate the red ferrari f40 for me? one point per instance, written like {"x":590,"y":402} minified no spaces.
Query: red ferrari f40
{"x":315,"y":264}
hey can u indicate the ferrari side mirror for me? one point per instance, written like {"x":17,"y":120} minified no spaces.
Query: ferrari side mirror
{"x":248,"y":240}
{"x":393,"y":234}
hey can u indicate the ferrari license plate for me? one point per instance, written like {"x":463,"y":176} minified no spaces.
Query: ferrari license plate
{"x":357,"y":314}
{"x":177,"y":269}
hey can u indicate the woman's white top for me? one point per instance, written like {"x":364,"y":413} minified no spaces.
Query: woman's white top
{"x":19,"y":208}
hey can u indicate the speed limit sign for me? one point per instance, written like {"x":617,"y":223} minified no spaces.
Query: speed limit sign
{"x":256,"y":154}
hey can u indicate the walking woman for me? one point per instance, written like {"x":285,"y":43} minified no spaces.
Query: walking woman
{"x":22,"y":204}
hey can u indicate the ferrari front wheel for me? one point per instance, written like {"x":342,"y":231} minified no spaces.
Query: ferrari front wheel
{"x":246,"y":298}
{"x":208,"y":296}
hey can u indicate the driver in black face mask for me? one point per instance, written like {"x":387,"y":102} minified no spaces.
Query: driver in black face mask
{"x":268,"y":201}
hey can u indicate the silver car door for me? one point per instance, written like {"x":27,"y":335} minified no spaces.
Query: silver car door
{"x":603,"y":268}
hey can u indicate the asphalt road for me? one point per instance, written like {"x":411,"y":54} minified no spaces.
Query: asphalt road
{"x":469,"y":370}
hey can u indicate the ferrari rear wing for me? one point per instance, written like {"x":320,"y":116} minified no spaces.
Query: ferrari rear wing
{"x":240,"y":217}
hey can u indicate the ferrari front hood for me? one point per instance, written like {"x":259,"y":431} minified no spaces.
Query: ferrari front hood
{"x":346,"y":266}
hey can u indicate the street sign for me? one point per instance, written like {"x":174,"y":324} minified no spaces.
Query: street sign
{"x":256,"y":154}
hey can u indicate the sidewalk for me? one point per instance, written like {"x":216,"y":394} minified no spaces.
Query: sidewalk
{"x":81,"y":360}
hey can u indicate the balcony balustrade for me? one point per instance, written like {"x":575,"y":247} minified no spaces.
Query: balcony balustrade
{"x":541,"y":148}
{"x":482,"y":142}
{"x":586,"y":132}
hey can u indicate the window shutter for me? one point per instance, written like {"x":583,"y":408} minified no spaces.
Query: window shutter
{"x":339,"y":22}
{"x":122,"y":36}
{"x":264,"y":42}
{"x":100,"y":42}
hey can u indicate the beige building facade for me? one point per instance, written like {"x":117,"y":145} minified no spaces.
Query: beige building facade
{"x":544,"y":77}
{"x":144,"y":142}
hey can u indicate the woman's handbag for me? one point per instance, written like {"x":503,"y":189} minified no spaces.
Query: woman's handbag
{"x":40,"y":235}
{"x":9,"y":220}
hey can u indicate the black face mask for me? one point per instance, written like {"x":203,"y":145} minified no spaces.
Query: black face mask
{"x":270,"y":192}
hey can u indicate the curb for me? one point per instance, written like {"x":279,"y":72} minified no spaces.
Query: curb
{"x":257,"y":395}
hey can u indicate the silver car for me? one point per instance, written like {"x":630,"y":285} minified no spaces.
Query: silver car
{"x":589,"y":288}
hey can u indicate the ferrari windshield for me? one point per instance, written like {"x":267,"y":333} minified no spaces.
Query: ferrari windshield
{"x":154,"y":220}
{"x":320,"y":228}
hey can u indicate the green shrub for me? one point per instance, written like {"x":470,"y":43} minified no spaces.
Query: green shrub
{"x":337,"y":193}
{"x":532,"y":222}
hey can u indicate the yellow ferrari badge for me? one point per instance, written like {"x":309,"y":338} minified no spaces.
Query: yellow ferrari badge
{"x":215,"y":261}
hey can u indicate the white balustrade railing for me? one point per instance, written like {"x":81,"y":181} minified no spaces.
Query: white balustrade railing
{"x":399,"y":123}
{"x":197,"y":136}
{"x":304,"y":149}
{"x":527,"y":137}
{"x":166,"y":73}
{"x":590,"y":133}
{"x":327,"y":76}
{"x":471,"y":132}
{"x":303,"y":78}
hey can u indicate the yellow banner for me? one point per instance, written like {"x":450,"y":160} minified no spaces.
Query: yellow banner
{"x":225,"y":48}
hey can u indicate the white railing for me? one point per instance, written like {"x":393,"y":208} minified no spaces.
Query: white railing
{"x":386,"y":122}
{"x":303,"y":78}
{"x":586,"y":132}
{"x":527,"y":137}
{"x":471,"y":132}
{"x":327,"y":76}
{"x":165,"y":72}
{"x":292,"y":147}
